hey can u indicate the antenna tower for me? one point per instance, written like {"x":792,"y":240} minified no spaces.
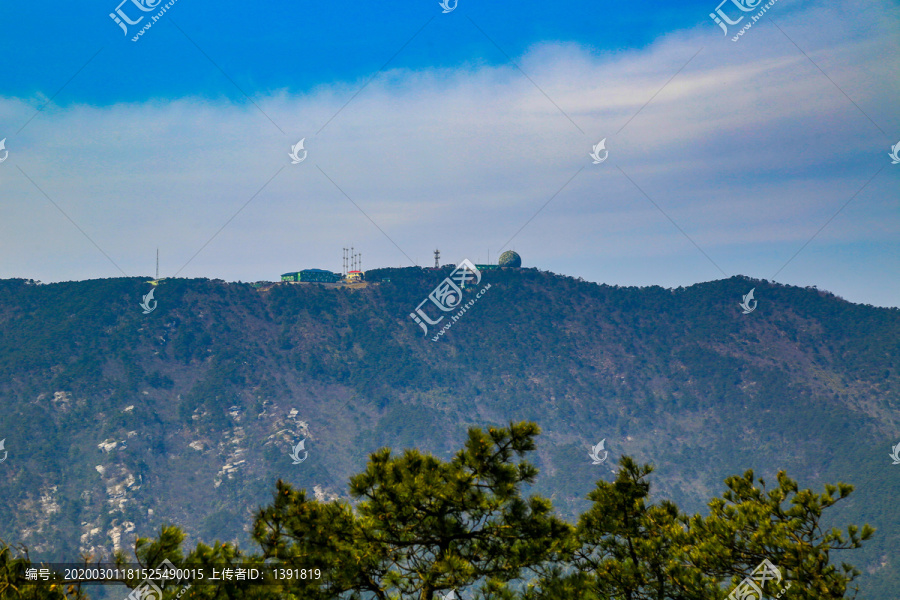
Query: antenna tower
{"x":437,"y":259}
{"x":352,"y":260}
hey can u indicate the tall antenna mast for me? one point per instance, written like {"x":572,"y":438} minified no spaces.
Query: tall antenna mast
{"x":437,"y":259}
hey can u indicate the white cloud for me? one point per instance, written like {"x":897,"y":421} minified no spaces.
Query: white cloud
{"x":750,"y":149}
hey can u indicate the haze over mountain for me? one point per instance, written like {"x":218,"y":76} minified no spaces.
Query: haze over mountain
{"x":117,"y":421}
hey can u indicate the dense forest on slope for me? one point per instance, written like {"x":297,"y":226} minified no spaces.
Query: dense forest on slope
{"x":117,"y":422}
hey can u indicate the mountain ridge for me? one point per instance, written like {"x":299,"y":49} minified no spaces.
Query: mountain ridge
{"x":679,"y":377}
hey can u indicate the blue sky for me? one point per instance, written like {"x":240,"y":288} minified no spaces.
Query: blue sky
{"x":269,"y":46}
{"x":766,"y":157}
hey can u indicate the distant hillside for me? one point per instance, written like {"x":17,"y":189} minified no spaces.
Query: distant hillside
{"x":116,"y":422}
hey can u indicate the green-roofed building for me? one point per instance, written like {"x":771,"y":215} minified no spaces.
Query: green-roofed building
{"x":312,"y":276}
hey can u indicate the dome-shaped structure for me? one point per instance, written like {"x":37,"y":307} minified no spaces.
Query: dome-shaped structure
{"x":510,"y":259}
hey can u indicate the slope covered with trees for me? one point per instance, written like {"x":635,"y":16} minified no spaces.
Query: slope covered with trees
{"x":117,"y":422}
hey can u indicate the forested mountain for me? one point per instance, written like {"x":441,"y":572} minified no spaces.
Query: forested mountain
{"x":117,"y":422}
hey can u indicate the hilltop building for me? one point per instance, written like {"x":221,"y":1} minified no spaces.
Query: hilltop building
{"x":312,"y":276}
{"x":353,"y":273}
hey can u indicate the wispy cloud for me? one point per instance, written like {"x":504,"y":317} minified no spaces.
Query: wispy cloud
{"x":750,"y":149}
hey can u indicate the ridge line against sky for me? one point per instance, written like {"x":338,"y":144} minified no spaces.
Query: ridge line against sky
{"x":750,"y":150}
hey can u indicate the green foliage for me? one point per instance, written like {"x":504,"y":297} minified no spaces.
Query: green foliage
{"x":151,"y":554}
{"x":15,"y":586}
{"x":634,"y":550}
{"x":422,"y":527}
{"x":749,"y":524}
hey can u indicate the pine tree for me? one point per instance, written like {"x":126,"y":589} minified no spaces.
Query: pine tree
{"x":630,"y":549}
{"x":14,"y":584}
{"x":749,"y":524}
{"x":422,"y":525}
